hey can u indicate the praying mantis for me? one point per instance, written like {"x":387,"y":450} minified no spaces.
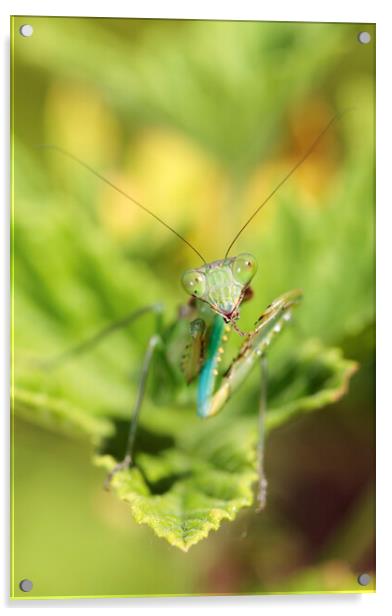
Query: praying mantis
{"x":192,"y":347}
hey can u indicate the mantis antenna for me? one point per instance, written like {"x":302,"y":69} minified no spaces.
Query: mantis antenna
{"x":122,"y":192}
{"x":286,"y":177}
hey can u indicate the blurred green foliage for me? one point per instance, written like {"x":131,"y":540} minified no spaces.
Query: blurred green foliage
{"x":198,"y":120}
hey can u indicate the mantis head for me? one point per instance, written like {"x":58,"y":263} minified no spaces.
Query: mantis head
{"x":221,"y":284}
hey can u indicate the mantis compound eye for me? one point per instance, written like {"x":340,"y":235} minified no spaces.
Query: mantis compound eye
{"x":244,"y":268}
{"x":194,"y":283}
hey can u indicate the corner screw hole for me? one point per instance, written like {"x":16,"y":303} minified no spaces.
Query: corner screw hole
{"x":26,"y":30}
{"x":364,"y":38}
{"x":26,"y":585}
{"x":364,"y":579}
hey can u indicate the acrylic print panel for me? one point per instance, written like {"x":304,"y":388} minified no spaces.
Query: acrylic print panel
{"x":199,"y":122}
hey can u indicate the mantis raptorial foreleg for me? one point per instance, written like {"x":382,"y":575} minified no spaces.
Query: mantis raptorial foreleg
{"x":268,"y":325}
{"x":127,"y":461}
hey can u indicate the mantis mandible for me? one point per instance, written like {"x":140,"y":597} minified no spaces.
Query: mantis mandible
{"x":217,"y":289}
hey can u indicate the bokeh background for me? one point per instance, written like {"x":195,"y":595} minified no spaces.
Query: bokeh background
{"x":199,"y":121}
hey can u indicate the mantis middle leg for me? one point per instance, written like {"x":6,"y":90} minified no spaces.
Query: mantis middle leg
{"x":262,"y":485}
{"x":127,"y":461}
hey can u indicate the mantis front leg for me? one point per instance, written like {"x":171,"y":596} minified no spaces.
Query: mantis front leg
{"x":270,"y":323}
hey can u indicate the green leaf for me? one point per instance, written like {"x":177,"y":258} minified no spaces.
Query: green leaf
{"x":318,"y":377}
{"x":205,"y":473}
{"x":59,"y":415}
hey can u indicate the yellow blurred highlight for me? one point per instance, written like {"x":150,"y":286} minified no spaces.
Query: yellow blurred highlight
{"x":170,"y":175}
{"x":314,"y":178}
{"x":78,"y":120}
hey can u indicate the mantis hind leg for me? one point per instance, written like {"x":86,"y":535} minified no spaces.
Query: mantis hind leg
{"x":88,"y":344}
{"x":262,"y":481}
{"x":127,"y":461}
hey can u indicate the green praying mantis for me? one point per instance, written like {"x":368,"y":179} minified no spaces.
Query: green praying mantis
{"x":192,"y":347}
